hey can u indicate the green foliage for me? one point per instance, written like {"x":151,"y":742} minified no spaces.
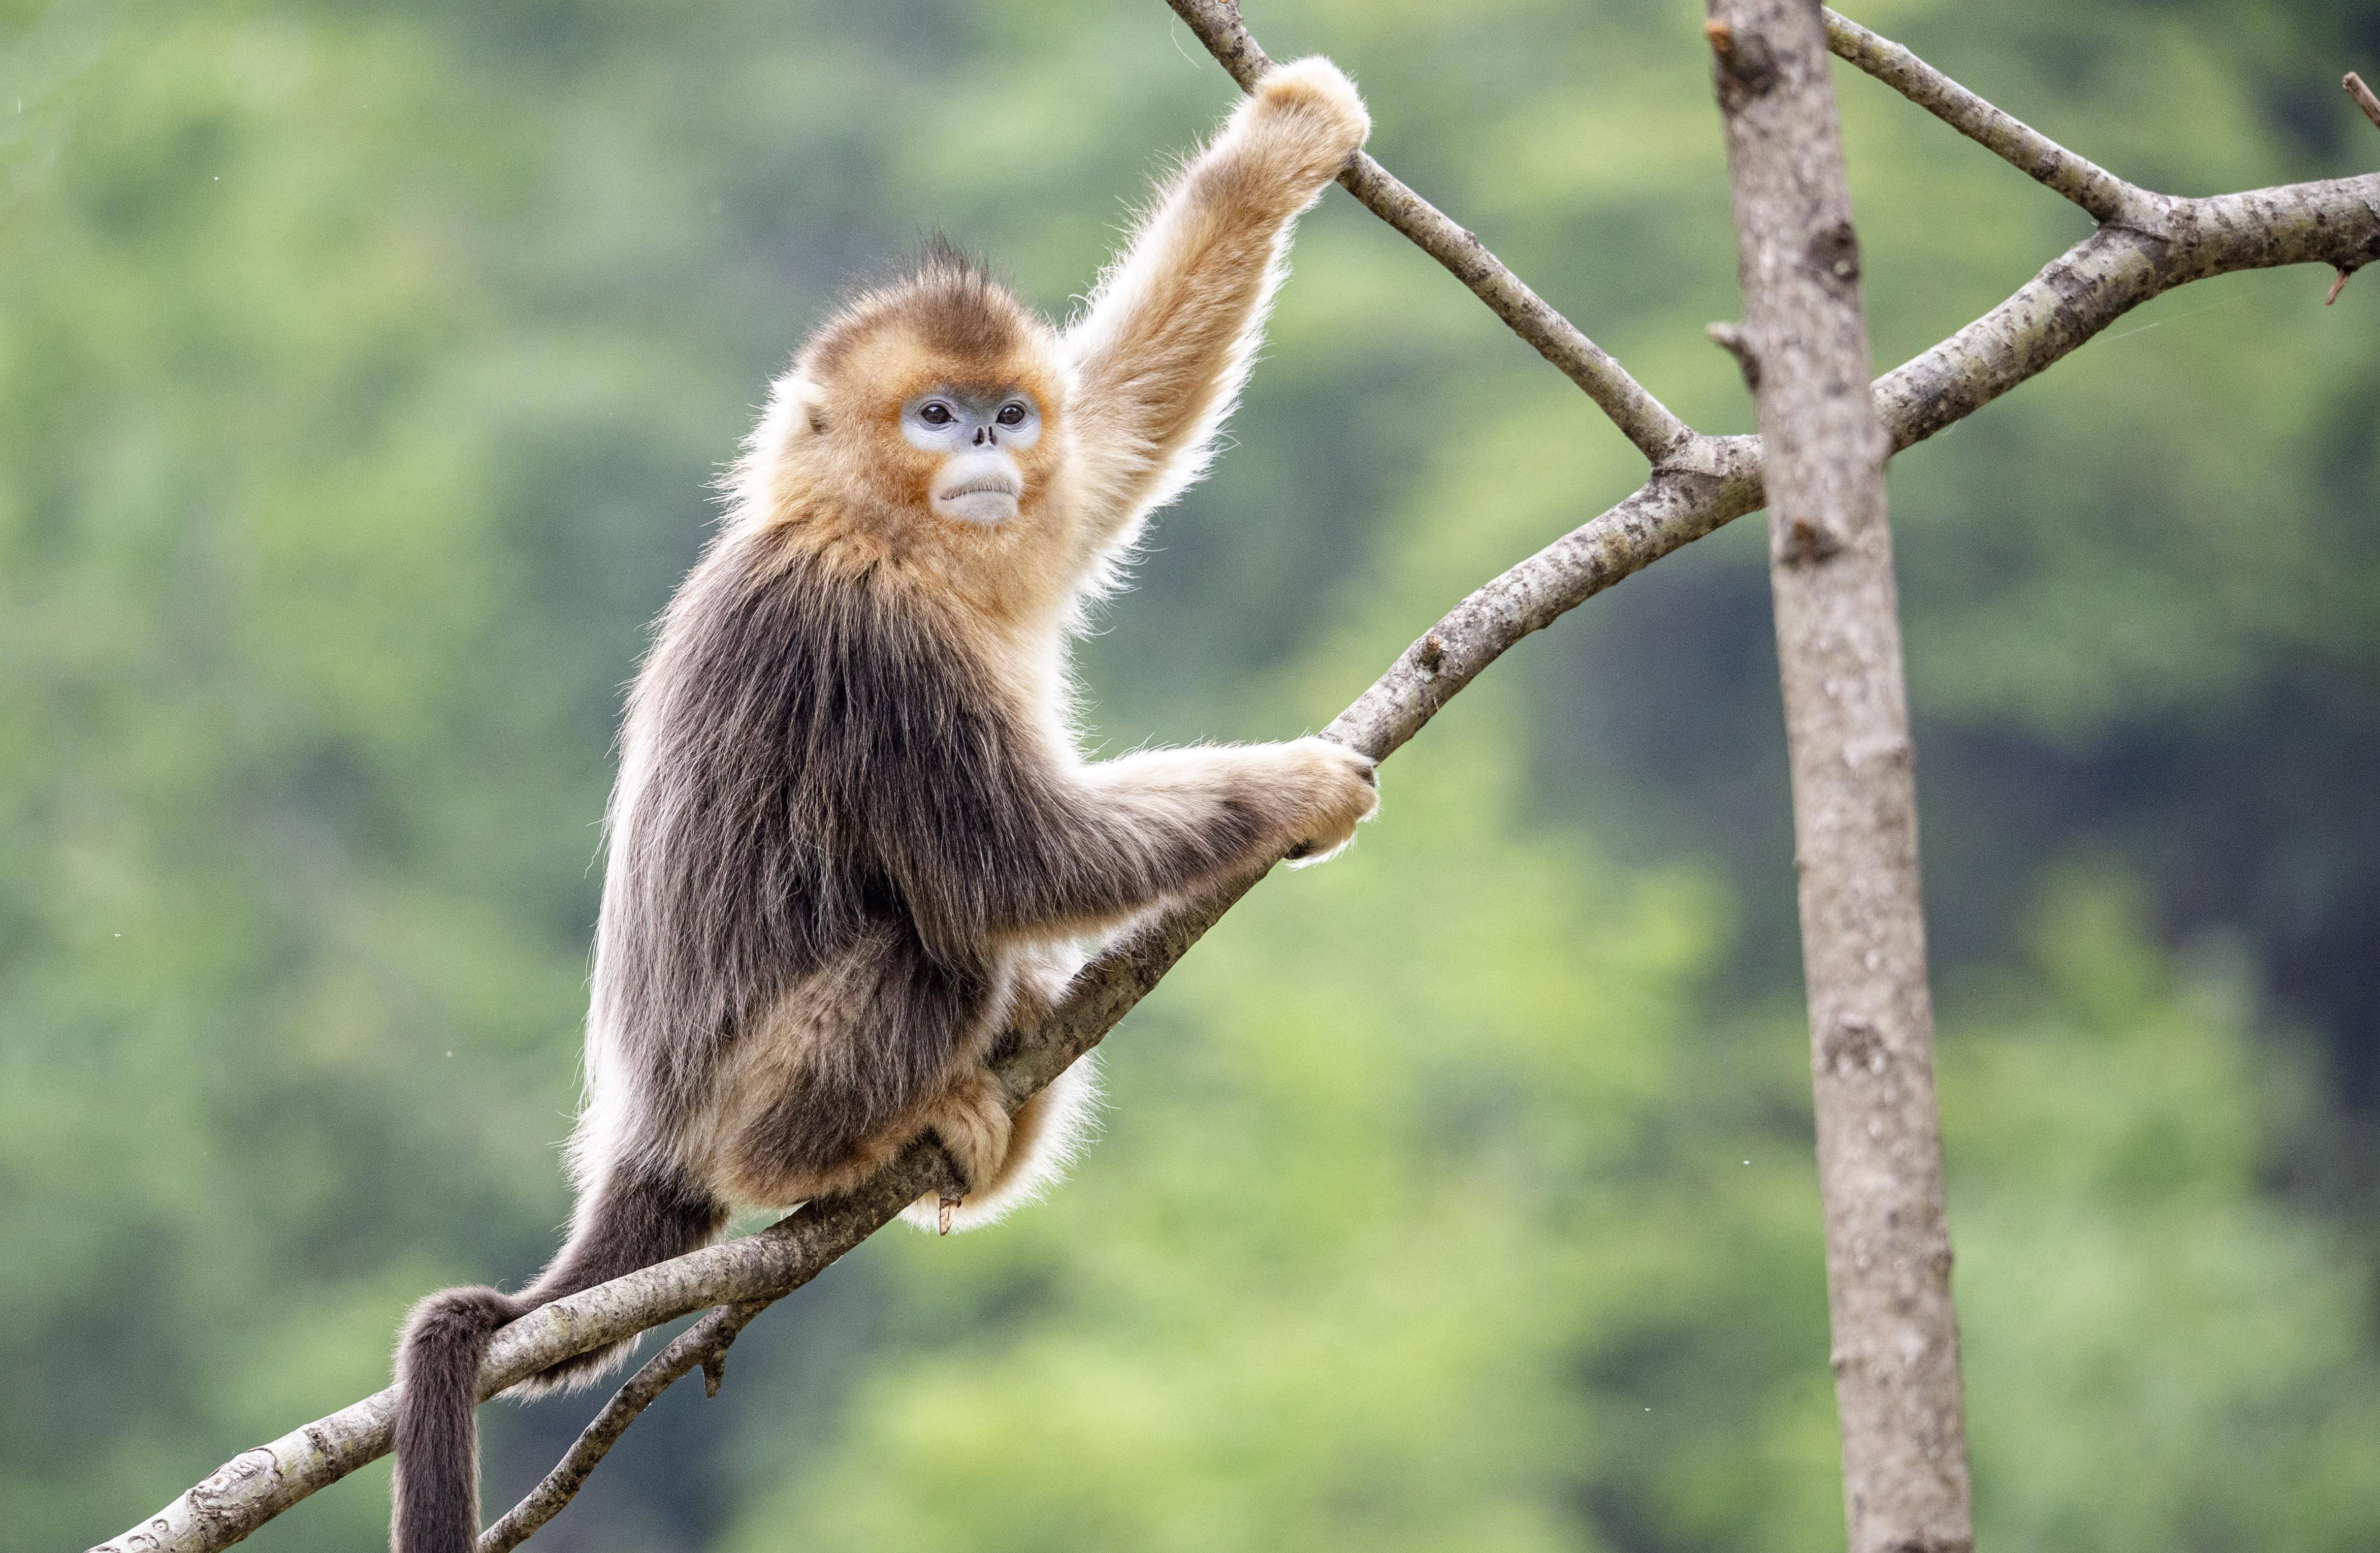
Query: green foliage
{"x":361,"y":369}
{"x":2159,"y":1358}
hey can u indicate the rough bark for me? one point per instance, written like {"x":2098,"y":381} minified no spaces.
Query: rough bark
{"x":1696,"y":486}
{"x":1805,"y":340}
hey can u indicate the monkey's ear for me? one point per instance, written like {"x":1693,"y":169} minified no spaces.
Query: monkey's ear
{"x":813,"y":414}
{"x":797,"y":406}
{"x":797,"y":414}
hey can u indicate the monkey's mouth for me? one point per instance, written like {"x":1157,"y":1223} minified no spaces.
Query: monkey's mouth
{"x":998,"y":485}
{"x":987,"y":493}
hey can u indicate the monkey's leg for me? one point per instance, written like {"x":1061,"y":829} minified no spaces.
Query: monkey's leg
{"x":1047,"y":1131}
{"x":971,"y":1120}
{"x":850,"y":1065}
{"x":1043,"y":1139}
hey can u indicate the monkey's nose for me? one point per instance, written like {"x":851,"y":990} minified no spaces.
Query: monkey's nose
{"x":981,"y":432}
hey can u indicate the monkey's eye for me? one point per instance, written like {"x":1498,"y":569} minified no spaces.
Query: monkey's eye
{"x":1011,"y":414}
{"x":934,"y":412}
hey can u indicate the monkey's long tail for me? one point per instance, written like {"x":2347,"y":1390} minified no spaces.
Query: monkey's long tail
{"x":631,"y":1221}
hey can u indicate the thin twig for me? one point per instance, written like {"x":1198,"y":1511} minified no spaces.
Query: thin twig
{"x":2098,"y":280}
{"x":702,"y":1346}
{"x":1641,"y":418}
{"x":2106,"y":197}
{"x":2363,"y":97}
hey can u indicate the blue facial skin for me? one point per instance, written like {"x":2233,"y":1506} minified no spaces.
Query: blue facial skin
{"x":960,"y":420}
{"x":977,"y":435}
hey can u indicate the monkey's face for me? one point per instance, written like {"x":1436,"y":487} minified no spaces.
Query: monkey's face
{"x":931,"y":415}
{"x":963,"y":443}
{"x":976,"y":434}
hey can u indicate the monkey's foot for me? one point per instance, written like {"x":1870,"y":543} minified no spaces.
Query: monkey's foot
{"x":970,"y":1121}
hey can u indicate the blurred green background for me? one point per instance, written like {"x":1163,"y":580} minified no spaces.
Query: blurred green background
{"x":362,"y":371}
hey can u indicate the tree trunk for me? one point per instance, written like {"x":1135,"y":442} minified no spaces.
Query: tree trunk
{"x":1805,"y":353}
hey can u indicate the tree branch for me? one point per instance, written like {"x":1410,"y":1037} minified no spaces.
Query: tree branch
{"x":2115,"y":270}
{"x":1707,"y":482}
{"x":703,"y":1346}
{"x":2363,"y":98}
{"x":1644,"y":420}
{"x":2106,"y":197}
{"x":1838,"y":657}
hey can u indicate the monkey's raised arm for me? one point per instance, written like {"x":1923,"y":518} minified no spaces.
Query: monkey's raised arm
{"x":1174,"y":323}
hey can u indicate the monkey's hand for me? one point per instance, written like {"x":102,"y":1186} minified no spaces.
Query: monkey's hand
{"x":1327,"y":790}
{"x":1311,"y":116}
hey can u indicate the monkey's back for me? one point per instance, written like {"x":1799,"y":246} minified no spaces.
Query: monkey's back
{"x":763,"y":986}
